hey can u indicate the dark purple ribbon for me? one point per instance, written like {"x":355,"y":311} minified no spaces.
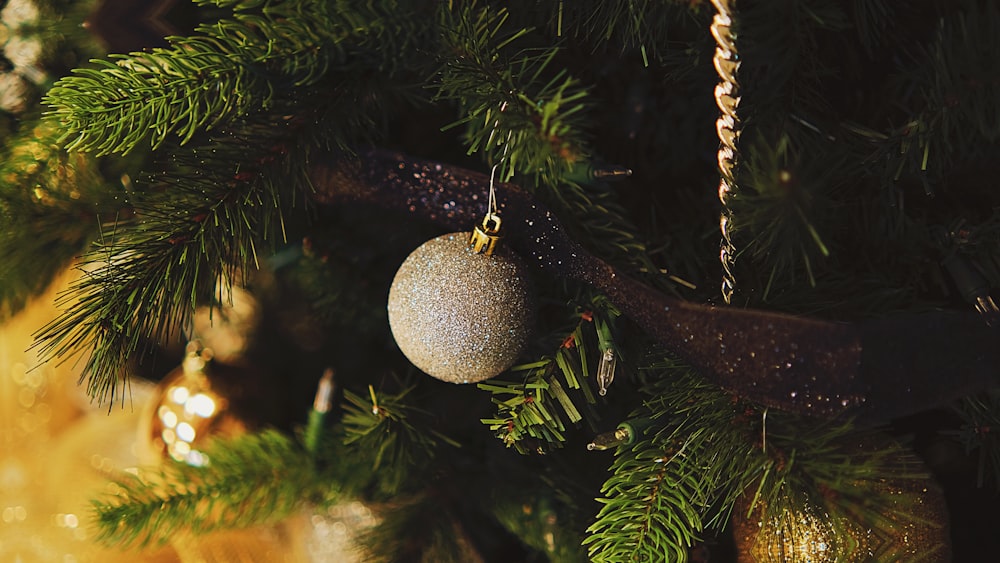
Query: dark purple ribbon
{"x":874,"y":370}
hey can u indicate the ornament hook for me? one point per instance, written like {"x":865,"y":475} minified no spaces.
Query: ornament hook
{"x":486,"y":235}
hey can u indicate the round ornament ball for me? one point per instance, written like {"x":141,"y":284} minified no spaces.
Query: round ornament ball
{"x":199,"y":401}
{"x":458,"y":315}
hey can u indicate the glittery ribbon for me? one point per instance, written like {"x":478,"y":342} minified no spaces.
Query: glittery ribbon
{"x":875,"y":370}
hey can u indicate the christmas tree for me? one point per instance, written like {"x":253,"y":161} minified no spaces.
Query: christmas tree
{"x":540,"y":281}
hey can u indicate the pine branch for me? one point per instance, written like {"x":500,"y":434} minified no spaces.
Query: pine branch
{"x":532,"y":414}
{"x":395,"y":435}
{"x":655,"y":511}
{"x":519,"y":112}
{"x":949,"y":95}
{"x":227,"y":70}
{"x":706,"y":452}
{"x":221,"y":200}
{"x":147,"y":274}
{"x":981,"y":417}
{"x":680,"y":478}
{"x":628,"y":26}
{"x":146,"y":97}
{"x":380,"y":448}
{"x":51,"y":204}
{"x":154,"y":507}
{"x":778,"y":211}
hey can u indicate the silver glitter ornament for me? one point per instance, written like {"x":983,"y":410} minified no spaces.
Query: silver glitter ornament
{"x":458,"y":315}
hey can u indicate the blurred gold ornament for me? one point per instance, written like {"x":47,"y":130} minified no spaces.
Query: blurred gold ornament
{"x":910,"y":525}
{"x":227,"y":328}
{"x":804,"y":533}
{"x":24,"y":52}
{"x":188,"y":410}
{"x":19,"y":13}
{"x":458,"y":315}
{"x":332,"y":533}
{"x":15,"y":93}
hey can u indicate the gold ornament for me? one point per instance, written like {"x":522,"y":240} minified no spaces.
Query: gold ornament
{"x":458,"y":315}
{"x":188,"y":410}
{"x":332,"y":533}
{"x":228,"y":327}
{"x":911,"y":526}
{"x":803,"y":533}
{"x":15,"y":93}
{"x":20,"y":13}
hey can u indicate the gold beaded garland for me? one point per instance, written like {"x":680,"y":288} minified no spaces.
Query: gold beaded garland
{"x":458,"y":315}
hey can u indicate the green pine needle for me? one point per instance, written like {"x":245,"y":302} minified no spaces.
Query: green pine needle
{"x":397,"y":437}
{"x":51,"y":205}
{"x":951,"y":97}
{"x":554,"y":392}
{"x":518,"y":111}
{"x":156,"y":506}
{"x":226,"y":71}
{"x":981,"y":417}
{"x":147,"y":273}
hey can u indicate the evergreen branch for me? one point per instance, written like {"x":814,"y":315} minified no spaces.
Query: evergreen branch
{"x":637,"y":25}
{"x":785,"y":195}
{"x":116,"y":106}
{"x":654,"y":510}
{"x":397,"y":436}
{"x":681,"y":477}
{"x":518,"y":112}
{"x":527,"y":417}
{"x":595,"y":215}
{"x":950,"y":93}
{"x":157,"y":505}
{"x":705,"y":452}
{"x":144,"y":278}
{"x":230,"y":69}
{"x":981,"y":417}
{"x":51,"y":203}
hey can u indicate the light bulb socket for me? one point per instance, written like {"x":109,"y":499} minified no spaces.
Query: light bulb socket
{"x":624,"y":435}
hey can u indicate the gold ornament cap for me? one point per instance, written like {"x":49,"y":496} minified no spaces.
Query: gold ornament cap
{"x":486,"y":235}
